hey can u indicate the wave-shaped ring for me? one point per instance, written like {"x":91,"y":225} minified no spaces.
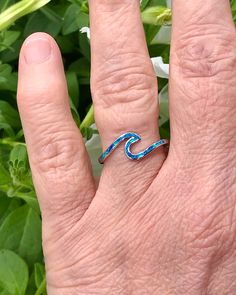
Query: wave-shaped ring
{"x":132,"y":138}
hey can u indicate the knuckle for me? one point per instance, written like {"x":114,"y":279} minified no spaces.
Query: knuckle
{"x":205,"y":53}
{"x":124,"y":87}
{"x":120,"y":84}
{"x":57,"y":165}
{"x":53,"y":153}
{"x":205,"y":64}
{"x":56,"y":154}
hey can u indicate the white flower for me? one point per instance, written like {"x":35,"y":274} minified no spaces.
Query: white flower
{"x":94,"y":149}
{"x":164,"y":105}
{"x":86,"y":30}
{"x":168,"y":3}
{"x":163,"y":36}
{"x":161,"y":69}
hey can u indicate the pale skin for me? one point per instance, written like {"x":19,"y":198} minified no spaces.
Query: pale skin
{"x":166,"y":224}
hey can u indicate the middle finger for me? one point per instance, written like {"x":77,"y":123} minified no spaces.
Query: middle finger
{"x":202,"y":83}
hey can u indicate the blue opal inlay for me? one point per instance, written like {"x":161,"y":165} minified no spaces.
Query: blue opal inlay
{"x":132,"y":138}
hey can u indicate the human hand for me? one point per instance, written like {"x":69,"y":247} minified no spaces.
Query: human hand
{"x":160,"y":225}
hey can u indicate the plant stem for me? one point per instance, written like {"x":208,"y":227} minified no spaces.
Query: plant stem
{"x":19,"y":9}
{"x":5,"y":5}
{"x":41,"y":288}
{"x":10,"y":142}
{"x":88,"y":120}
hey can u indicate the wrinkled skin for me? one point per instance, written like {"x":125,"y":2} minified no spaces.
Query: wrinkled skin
{"x":166,"y":224}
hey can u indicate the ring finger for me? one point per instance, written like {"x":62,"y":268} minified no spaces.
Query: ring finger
{"x":124,"y":89}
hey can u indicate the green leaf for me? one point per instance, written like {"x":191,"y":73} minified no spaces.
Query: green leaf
{"x":5,"y":3}
{"x":5,"y":177}
{"x":9,"y":118}
{"x":29,"y":197}
{"x":157,"y":15}
{"x":144,"y":4}
{"x":85,"y":6}
{"x":81,"y":67}
{"x":52,"y":15}
{"x":21,"y":232}
{"x":164,"y":105}
{"x":88,"y":120}
{"x":233,"y":4}
{"x":70,"y":23}
{"x":7,"y":205}
{"x":73,"y":87}
{"x":233,"y":7}
{"x":8,"y":114}
{"x":75,"y":17}
{"x":75,"y":113}
{"x":19,"y":156}
{"x":5,"y":70}
{"x":31,"y":288}
{"x":151,"y":32}
{"x":42,"y":288}
{"x":83,"y":20}
{"x":19,"y":167}
{"x":39,"y":272}
{"x":12,"y":56}
{"x":7,"y":81}
{"x":40,"y":22}
{"x":4,"y":152}
{"x":8,"y":38}
{"x":157,"y":3}
{"x":14,"y":274}
{"x":84,"y":46}
{"x":66,"y":43}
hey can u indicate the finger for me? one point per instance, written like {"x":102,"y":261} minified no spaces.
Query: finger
{"x":58,"y":159}
{"x":124,"y":88}
{"x":202,"y":83}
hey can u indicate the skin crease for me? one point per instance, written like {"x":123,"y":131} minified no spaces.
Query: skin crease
{"x":166,"y":224}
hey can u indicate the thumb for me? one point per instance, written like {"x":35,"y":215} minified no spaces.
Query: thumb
{"x":59,"y":162}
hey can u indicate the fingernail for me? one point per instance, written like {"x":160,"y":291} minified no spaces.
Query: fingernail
{"x":37,"y":50}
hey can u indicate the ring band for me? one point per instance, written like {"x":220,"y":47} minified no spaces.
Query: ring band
{"x":132,"y":138}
